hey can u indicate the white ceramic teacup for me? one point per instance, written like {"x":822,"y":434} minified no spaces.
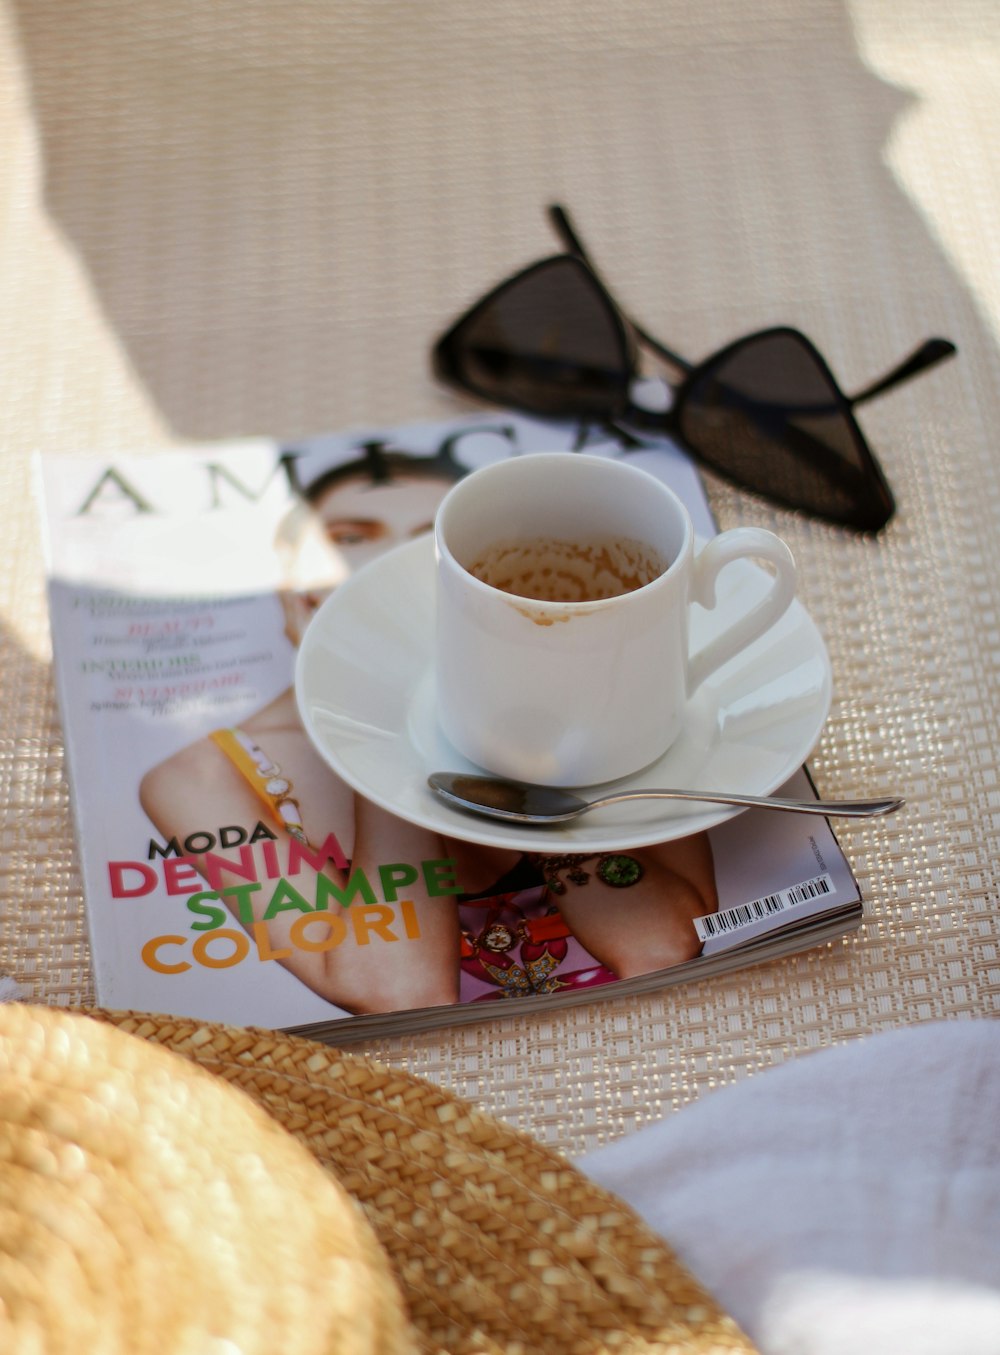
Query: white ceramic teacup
{"x":576,"y":692}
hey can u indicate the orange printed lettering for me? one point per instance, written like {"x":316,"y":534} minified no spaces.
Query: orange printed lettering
{"x":240,"y":950}
{"x":263,"y":940}
{"x":334,"y":926}
{"x":151,"y":959}
{"x":372,"y":917}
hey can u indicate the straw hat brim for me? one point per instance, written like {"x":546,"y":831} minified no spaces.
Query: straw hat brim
{"x":148,"y":1209}
{"x":497,"y":1243}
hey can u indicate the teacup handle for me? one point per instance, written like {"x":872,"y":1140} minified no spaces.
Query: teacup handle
{"x":739,"y":544}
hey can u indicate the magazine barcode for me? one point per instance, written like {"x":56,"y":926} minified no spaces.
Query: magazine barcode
{"x":732,"y":919}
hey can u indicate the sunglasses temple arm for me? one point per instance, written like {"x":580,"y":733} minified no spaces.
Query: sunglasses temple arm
{"x":566,"y":231}
{"x":930,"y":352}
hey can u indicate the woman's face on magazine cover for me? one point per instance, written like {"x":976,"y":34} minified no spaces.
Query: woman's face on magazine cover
{"x":354,"y":520}
{"x":361,"y":519}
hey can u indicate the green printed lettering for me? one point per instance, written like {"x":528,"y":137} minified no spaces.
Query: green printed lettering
{"x":392,"y":877}
{"x":439,"y":877}
{"x":327,"y":889}
{"x":241,"y":900}
{"x":285,"y":899}
{"x":216,"y":916}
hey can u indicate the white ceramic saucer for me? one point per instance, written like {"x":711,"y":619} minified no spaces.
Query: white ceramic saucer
{"x":365,"y":691}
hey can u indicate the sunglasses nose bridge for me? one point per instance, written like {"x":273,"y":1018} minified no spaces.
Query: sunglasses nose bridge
{"x":650,"y":396}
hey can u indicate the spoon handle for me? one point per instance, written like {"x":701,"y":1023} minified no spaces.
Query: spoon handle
{"x":848,"y":809}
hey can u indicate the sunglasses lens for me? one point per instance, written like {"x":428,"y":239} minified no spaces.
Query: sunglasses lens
{"x":548,"y":341}
{"x":768,"y":414}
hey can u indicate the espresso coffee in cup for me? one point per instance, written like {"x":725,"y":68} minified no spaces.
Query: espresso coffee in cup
{"x":552,"y":570}
{"x":564,"y":583}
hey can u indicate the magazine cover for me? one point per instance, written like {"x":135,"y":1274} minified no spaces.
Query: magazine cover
{"x":231,"y":875}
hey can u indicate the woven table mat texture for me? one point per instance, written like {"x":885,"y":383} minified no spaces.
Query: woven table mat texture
{"x":251,"y":218}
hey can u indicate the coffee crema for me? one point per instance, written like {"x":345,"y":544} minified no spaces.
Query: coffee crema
{"x":549,"y":570}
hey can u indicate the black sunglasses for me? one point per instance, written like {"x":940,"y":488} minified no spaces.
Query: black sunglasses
{"x":765,"y":412}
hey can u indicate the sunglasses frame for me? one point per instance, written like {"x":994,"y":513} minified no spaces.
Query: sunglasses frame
{"x":445,"y":353}
{"x":874,"y":510}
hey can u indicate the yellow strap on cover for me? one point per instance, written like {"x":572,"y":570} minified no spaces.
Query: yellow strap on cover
{"x":264,"y":777}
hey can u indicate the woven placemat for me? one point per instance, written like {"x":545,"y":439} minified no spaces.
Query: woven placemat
{"x":229,"y":219}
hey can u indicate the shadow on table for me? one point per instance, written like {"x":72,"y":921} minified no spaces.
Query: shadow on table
{"x":280,"y":206}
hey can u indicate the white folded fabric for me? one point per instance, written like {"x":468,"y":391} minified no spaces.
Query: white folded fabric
{"x":845,"y":1203}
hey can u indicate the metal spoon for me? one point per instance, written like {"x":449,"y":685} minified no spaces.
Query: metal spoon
{"x":520,"y":803}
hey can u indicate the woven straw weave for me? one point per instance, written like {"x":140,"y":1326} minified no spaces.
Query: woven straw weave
{"x":147,"y":1210}
{"x":499,"y":1246}
{"x":245,"y":218}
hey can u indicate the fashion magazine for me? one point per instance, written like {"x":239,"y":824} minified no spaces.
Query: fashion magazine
{"x":231,"y":873}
